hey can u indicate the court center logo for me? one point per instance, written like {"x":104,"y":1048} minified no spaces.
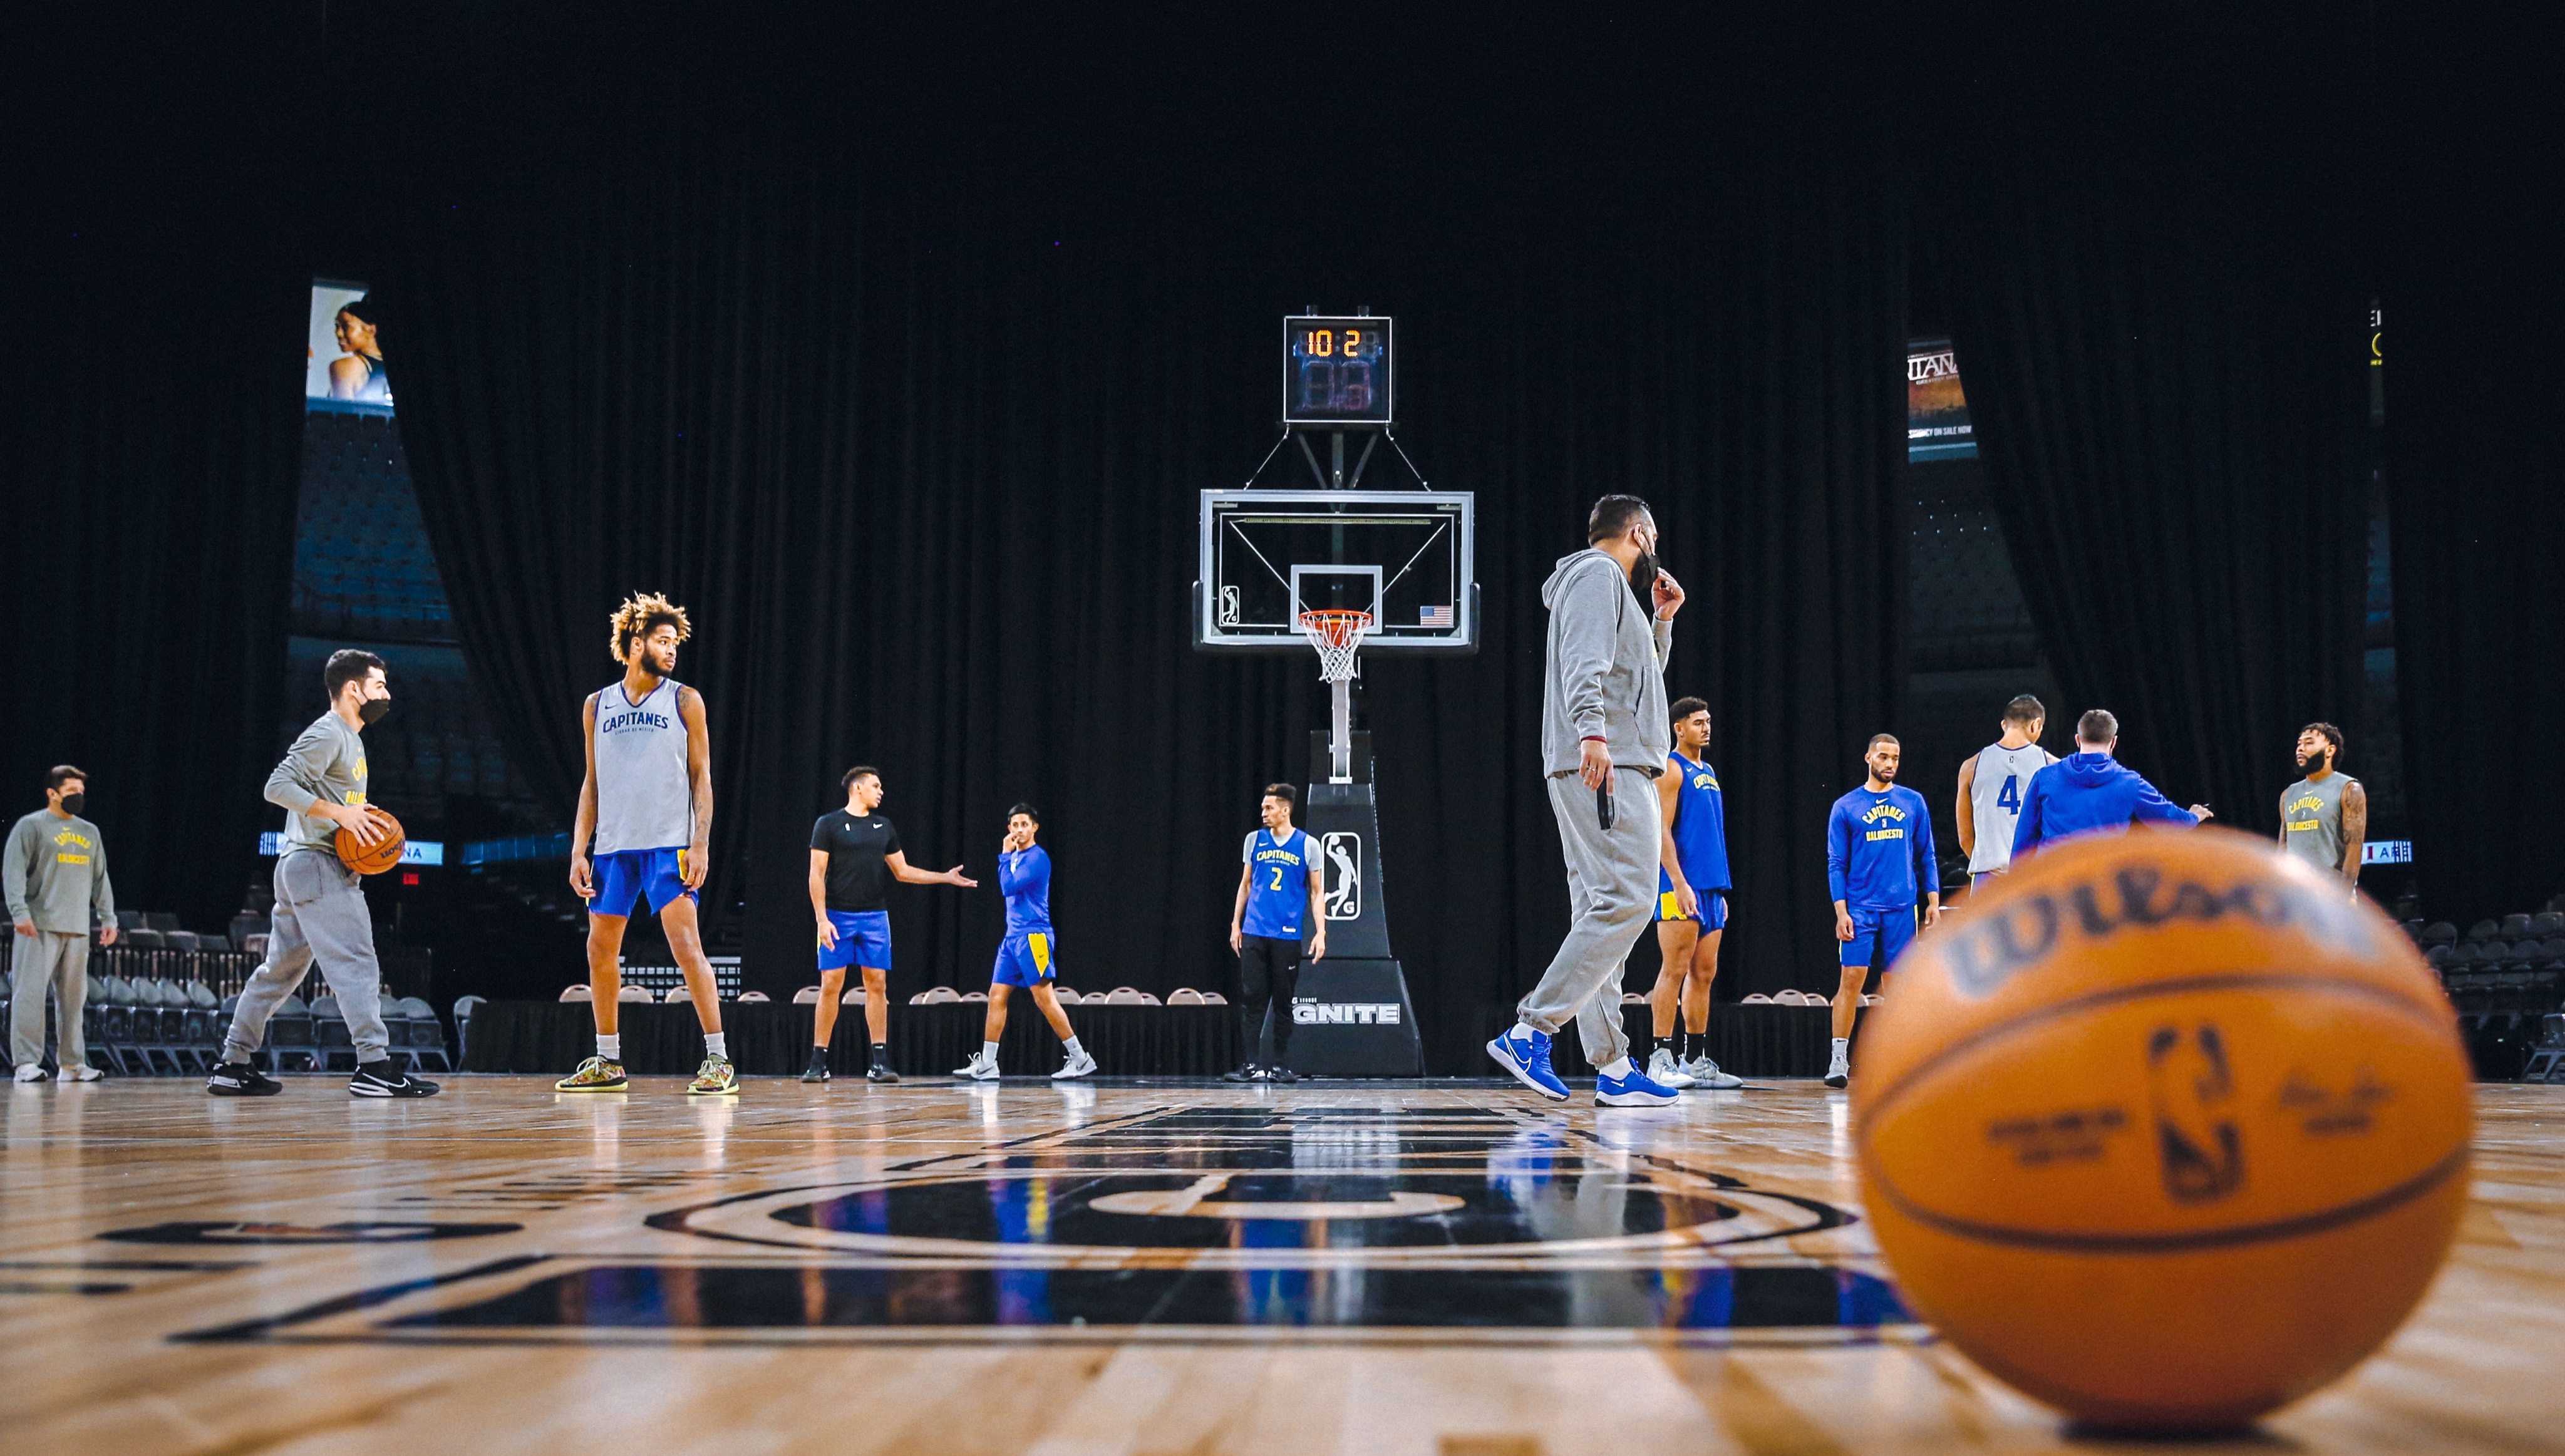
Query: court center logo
{"x":1341,"y":855}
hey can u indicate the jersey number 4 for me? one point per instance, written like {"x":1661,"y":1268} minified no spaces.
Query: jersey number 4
{"x":2008,"y":798}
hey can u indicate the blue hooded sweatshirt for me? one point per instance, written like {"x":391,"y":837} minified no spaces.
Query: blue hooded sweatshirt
{"x":2090,"y":793}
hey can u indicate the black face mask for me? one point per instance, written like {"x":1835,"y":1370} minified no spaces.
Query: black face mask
{"x":372,"y":710}
{"x":74,"y":802}
{"x":1643,"y":578}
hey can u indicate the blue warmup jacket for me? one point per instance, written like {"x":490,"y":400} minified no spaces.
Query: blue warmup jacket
{"x":2086,"y":794}
{"x":1879,"y":849}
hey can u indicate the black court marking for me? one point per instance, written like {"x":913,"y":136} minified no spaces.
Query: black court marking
{"x":233,"y":1232}
{"x":608,"y":1300}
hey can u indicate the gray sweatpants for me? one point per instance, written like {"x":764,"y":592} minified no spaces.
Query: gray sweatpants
{"x":1611,"y":895}
{"x":320,"y":915}
{"x":43,"y":960}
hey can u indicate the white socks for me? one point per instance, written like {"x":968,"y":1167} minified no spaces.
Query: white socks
{"x":988,"y":1051}
{"x":717,"y":1044}
{"x":611,"y":1047}
{"x":1075,"y":1050}
{"x":1618,"y":1069}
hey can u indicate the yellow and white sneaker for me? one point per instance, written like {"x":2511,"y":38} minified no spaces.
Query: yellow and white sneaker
{"x":596,"y":1074}
{"x":714,"y":1079}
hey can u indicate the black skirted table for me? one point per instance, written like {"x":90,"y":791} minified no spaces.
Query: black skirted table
{"x":773,"y":1039}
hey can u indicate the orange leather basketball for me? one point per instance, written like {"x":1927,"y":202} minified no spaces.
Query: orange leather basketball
{"x":380,"y":857}
{"x":2166,"y":1129}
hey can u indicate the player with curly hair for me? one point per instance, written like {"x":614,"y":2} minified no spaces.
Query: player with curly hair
{"x":647,"y":800}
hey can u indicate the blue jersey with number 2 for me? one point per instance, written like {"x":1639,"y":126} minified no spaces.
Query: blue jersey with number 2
{"x":1277,"y":884}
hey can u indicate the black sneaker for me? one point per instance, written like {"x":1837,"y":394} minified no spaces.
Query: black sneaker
{"x":878,"y":1070}
{"x":1246,"y":1071}
{"x":1281,"y":1073}
{"x":380,"y":1079}
{"x":240,"y":1080}
{"x":817,"y":1071}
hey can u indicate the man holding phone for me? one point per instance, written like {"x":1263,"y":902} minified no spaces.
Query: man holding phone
{"x":1604,"y":738}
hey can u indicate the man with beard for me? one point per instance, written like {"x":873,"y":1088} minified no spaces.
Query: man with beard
{"x":2090,"y":792}
{"x":648,"y":800}
{"x":1879,"y":852}
{"x":2324,"y":816}
{"x":1604,"y":738}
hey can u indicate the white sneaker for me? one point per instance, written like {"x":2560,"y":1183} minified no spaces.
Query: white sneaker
{"x":978,"y":1069}
{"x":1705,"y":1074}
{"x":1664,"y":1071}
{"x":1082,"y":1065}
{"x":1839,"y":1069}
{"x":79,"y":1073}
{"x":30,"y":1071}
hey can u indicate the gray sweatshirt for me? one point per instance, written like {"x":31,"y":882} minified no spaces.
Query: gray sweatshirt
{"x":56,"y":874}
{"x":326,"y":762}
{"x":1605,"y":675}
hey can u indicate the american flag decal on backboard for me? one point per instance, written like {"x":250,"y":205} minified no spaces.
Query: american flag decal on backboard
{"x":1434,"y":617}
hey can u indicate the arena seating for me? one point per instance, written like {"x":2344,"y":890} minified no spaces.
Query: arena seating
{"x":2505,"y":976}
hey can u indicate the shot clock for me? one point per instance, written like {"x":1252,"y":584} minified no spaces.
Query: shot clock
{"x":1336,"y":370}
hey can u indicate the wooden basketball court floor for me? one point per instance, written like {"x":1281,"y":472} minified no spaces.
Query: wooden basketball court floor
{"x":1073,"y":1271}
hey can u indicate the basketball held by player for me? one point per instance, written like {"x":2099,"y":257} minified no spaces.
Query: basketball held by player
{"x":1692,"y":905}
{"x":1029,"y":956}
{"x":855,"y":858}
{"x":1879,"y":863}
{"x":1992,"y":784}
{"x":642,"y":831}
{"x":1281,"y":899}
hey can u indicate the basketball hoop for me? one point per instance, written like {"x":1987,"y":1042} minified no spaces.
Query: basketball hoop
{"x":1338,"y":634}
{"x":1338,"y":637}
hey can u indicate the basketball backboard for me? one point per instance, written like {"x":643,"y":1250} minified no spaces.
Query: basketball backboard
{"x":1404,"y":556}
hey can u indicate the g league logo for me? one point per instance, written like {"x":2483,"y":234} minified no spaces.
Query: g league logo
{"x":1341,"y":863}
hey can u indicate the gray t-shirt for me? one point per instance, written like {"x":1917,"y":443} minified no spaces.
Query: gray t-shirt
{"x":326,"y":762}
{"x":55,"y":875}
{"x":2311,"y":818}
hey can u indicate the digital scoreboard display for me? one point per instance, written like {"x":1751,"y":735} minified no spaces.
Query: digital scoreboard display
{"x":1336,"y":370}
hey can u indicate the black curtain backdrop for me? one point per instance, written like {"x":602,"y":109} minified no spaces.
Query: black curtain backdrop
{"x":2167,"y":395}
{"x":150,"y":442}
{"x":2472,"y":376}
{"x":925,"y":474}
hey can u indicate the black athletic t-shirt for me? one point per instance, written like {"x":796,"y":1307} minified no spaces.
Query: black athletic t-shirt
{"x":858,"y":853}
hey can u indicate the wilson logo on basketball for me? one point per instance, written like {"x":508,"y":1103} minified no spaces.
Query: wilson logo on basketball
{"x":2018,"y":934}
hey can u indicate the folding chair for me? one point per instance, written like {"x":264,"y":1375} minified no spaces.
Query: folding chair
{"x":426,"y":1035}
{"x":289,"y":1034}
{"x":329,"y":1037}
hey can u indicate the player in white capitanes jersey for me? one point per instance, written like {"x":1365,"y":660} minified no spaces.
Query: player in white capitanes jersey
{"x":1992,"y":784}
{"x":648,"y":801}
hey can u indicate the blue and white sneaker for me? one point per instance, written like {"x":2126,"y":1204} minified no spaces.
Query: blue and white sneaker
{"x":1525,"y":1052}
{"x":1633,"y":1090}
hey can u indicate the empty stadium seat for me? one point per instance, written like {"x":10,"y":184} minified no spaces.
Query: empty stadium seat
{"x":2547,"y":924}
{"x":1065,"y":995}
{"x":577,"y":991}
{"x":2440,"y":932}
{"x":807,"y":996}
{"x":463,"y":1008}
{"x":2484,"y":930}
{"x":640,"y":994}
{"x":1214,"y":998}
{"x":975,"y":996}
{"x":2514,"y":927}
{"x":855,"y":995}
{"x":1188,"y":996}
{"x":676,"y":994}
{"x":753,"y":998}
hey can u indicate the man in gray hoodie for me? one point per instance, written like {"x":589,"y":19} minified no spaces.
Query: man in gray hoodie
{"x":1604,"y":736}
{"x":55,"y":875}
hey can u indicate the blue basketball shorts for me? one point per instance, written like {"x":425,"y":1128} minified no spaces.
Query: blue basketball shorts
{"x":624,"y":876}
{"x":1025,"y":960}
{"x":1879,"y":937}
{"x":863,"y":940}
{"x":1714,"y":904}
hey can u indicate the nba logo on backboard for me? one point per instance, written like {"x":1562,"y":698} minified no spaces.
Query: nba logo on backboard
{"x":1343,"y":869}
{"x":1229,"y":606}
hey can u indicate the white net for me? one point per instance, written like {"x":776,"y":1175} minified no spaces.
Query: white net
{"x":1338,"y":637}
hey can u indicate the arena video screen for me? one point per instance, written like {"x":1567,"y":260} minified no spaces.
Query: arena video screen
{"x":343,"y":369}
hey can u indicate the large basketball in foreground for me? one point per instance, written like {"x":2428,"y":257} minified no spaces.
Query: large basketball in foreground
{"x":2165,"y":1128}
{"x":382,"y":855}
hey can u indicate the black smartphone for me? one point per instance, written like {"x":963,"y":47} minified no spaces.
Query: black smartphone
{"x":1603,"y":804}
